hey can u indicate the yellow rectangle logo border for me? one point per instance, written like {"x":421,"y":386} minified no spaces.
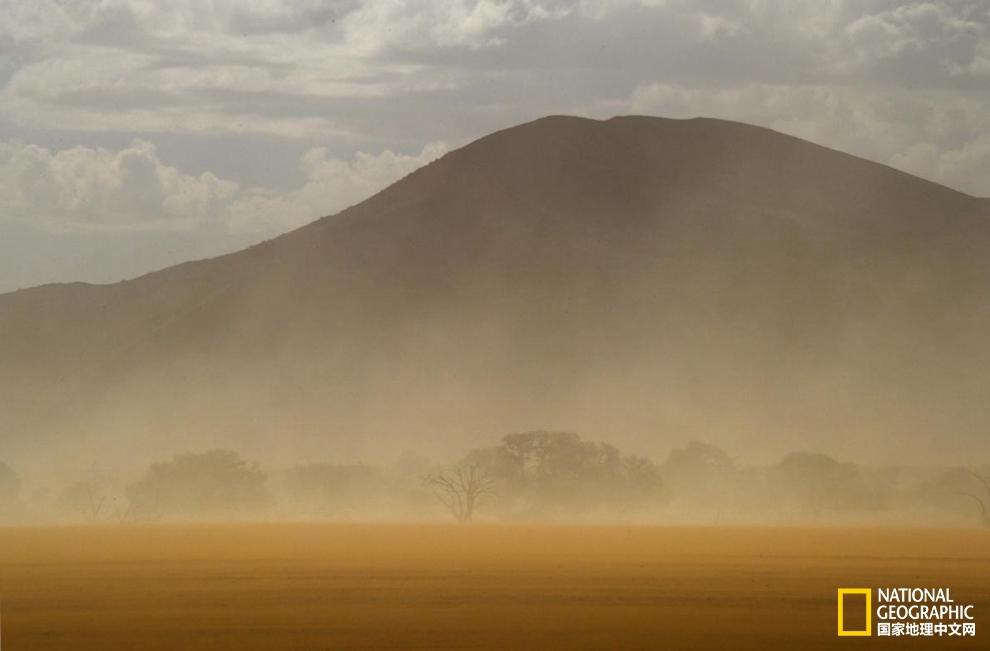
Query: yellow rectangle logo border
{"x":868,"y":593}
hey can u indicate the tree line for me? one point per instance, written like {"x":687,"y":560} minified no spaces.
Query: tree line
{"x":536,"y":475}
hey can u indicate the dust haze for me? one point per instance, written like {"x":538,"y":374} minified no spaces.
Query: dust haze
{"x":627,"y":319}
{"x":494,"y":324}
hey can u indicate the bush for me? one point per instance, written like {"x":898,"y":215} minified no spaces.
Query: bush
{"x":214,"y":483}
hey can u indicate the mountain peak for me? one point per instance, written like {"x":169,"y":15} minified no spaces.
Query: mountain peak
{"x":615,"y":273}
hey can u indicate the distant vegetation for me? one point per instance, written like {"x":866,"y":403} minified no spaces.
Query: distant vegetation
{"x":214,"y":483}
{"x":537,"y":475}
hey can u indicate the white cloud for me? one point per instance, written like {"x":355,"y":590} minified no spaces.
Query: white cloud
{"x":331,"y":185}
{"x":99,"y":215}
{"x":131,"y":188}
{"x":192,"y":67}
{"x":922,"y":40}
{"x":301,"y":68}
{"x":378,"y":26}
{"x":81,"y":187}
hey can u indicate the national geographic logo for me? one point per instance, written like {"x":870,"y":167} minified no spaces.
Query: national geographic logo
{"x":855,"y":612}
{"x":903,"y":612}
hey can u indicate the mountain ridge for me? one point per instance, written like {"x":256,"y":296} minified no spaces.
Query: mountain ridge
{"x":550,"y":118}
{"x":668,"y":264}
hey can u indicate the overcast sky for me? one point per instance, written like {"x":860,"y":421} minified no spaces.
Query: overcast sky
{"x":138,"y":134}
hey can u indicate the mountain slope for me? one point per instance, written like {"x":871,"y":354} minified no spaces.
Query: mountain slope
{"x":638,"y":278}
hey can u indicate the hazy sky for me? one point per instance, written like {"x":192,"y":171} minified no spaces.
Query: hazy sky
{"x":138,"y":134}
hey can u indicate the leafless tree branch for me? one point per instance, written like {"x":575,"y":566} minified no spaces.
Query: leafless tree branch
{"x":461,"y":489}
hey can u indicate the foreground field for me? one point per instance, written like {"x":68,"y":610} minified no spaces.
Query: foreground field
{"x":304,"y":586}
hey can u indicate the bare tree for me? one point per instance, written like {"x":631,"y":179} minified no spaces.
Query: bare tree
{"x":85,"y":497}
{"x":984,"y":512}
{"x":95,"y":497}
{"x":461,"y":489}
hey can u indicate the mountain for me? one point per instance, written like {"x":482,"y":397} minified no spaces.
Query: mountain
{"x":640,"y":279}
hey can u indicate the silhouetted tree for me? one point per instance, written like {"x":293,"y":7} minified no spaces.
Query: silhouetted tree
{"x":816,"y":481}
{"x":212,"y":483}
{"x":461,"y":489}
{"x":546,"y":470}
{"x":701,"y":475}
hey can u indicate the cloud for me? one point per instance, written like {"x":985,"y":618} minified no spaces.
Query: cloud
{"x":131,"y":188}
{"x":377,"y":27}
{"x":331,"y":185}
{"x":83,"y":187}
{"x":161,"y":59}
{"x":235,"y":67}
{"x":915,"y":41}
{"x":99,"y":215}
